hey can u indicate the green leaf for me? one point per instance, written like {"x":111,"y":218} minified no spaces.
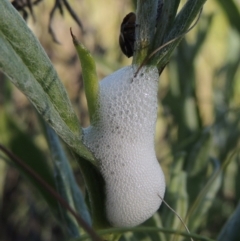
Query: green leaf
{"x":66,"y":185}
{"x":230,"y":230}
{"x":165,"y":22}
{"x":33,"y":56}
{"x":182,"y":22}
{"x":154,"y":221}
{"x":96,"y":193}
{"x":24,"y":61}
{"x":199,"y":156}
{"x":206,"y":197}
{"x":176,"y":196}
{"x":146,"y":15}
{"x":203,"y":31}
{"x":90,"y":80}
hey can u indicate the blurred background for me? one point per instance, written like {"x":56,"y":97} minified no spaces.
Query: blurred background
{"x":198,"y":124}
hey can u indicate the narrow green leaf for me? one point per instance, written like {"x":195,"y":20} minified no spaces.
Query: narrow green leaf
{"x":205,"y":198}
{"x":185,"y":17}
{"x":230,"y":230}
{"x":203,"y":31}
{"x":199,"y":155}
{"x":96,"y":193}
{"x":230,"y":67}
{"x":66,"y":184}
{"x":159,"y":223}
{"x":176,"y":195}
{"x":146,"y":21}
{"x":51,"y":191}
{"x":33,"y":56}
{"x":90,"y":80}
{"x":152,"y":222}
{"x":182,"y":22}
{"x":165,"y":22}
{"x":12,"y":65}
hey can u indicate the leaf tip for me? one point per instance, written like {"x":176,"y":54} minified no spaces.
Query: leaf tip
{"x":74,"y":38}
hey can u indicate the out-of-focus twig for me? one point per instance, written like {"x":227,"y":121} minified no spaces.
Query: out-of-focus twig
{"x":23,"y":5}
{"x":51,"y":191}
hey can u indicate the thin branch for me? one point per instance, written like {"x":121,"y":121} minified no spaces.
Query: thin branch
{"x":56,"y":6}
{"x":176,"y":215}
{"x":73,"y":14}
{"x":52,"y":192}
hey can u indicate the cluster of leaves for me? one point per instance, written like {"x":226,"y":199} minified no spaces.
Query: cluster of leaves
{"x":201,"y":157}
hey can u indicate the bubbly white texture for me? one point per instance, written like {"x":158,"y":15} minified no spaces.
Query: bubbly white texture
{"x":123,"y":141}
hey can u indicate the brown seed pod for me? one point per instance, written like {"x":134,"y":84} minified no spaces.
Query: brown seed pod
{"x":127,"y":34}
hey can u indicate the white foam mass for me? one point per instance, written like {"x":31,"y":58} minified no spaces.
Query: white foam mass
{"x":123,"y":141}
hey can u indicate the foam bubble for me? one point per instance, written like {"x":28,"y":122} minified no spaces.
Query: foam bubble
{"x":123,"y":141}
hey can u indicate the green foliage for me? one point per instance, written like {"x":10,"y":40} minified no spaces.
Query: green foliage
{"x":202,"y":160}
{"x":232,"y":13}
{"x":66,"y":184}
{"x":229,"y":231}
{"x":90,"y":79}
{"x":19,"y":142}
{"x":37,"y":79}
